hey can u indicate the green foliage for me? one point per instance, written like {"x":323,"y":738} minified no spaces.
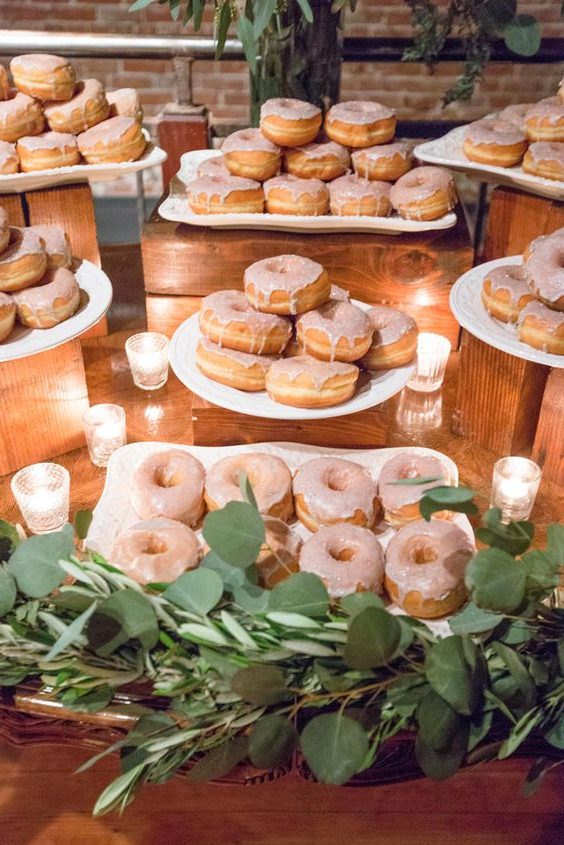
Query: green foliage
{"x":124,"y":616}
{"x":459,"y":499}
{"x":35,"y":562}
{"x":372,"y":639}
{"x":235,"y":533}
{"x":198,"y":591}
{"x":9,"y":539}
{"x":334,"y":746}
{"x":82,"y":521}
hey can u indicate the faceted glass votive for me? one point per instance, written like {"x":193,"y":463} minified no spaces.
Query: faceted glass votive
{"x":432,"y":357}
{"x":42,"y":493}
{"x":104,"y":427}
{"x":419,"y":412}
{"x":514,"y":487}
{"x":147,"y":353}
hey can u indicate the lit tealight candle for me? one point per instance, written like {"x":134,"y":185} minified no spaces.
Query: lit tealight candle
{"x":147,"y":353}
{"x":42,"y":493}
{"x":432,"y":358}
{"x":104,"y":427}
{"x":514,"y":487}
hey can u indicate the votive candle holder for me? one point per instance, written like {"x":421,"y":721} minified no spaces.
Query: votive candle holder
{"x":147,"y":353}
{"x":104,"y":427}
{"x":42,"y":492}
{"x":514,"y":487}
{"x":432,"y":358}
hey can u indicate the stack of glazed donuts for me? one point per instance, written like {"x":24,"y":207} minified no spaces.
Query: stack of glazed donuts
{"x":49,"y":119}
{"x":531,"y":294}
{"x":287,"y":167}
{"x":37,"y":287}
{"x":294,"y":334}
{"x":327,"y":519}
{"x":526,"y":134}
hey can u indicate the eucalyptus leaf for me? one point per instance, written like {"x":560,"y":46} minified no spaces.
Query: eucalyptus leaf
{"x":438,"y":722}
{"x":497,"y":13}
{"x":334,"y":747}
{"x":272,"y":742}
{"x":542,"y":572}
{"x":459,"y":499}
{"x":357,"y":602}
{"x":113,"y":794}
{"x":440,"y":765}
{"x":247,"y":490}
{"x":235,"y":533}
{"x":125,"y":615}
{"x":416,"y":480}
{"x":373,"y":637}
{"x":35,"y":562}
{"x":197,"y":591}
{"x":92,"y":701}
{"x":231,"y":576}
{"x":451,"y":676}
{"x":474,"y":620}
{"x":237,"y":631}
{"x":555,"y":733}
{"x":8,"y":591}
{"x":303,"y":593}
{"x":513,"y":537}
{"x":72,"y":632}
{"x":9,"y":539}
{"x":264,"y":11}
{"x":247,"y":39}
{"x":519,"y":733}
{"x":519,"y":673}
{"x":293,"y":620}
{"x":223,"y":24}
{"x":522,"y":35}
{"x":220,"y":760}
{"x":260,"y":684}
{"x":140,"y":4}
{"x":479,"y":728}
{"x":406,"y":693}
{"x":496,"y":581}
{"x":535,"y":775}
{"x":306,"y":10}
{"x":82,"y":521}
{"x":251,"y":597}
{"x":198,"y":13}
{"x":555,"y":544}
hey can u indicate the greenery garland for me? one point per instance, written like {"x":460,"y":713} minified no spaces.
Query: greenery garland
{"x":237,"y":672}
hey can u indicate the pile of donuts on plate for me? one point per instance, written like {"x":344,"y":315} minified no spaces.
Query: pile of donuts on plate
{"x":317,"y":177}
{"x":59,"y":121}
{"x":530,"y":134}
{"x":289,"y":308}
{"x":340,"y":508}
{"x":532,"y":294}
{"x":36,"y":285}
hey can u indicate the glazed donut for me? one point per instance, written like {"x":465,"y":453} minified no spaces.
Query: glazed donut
{"x":23,"y":262}
{"x":339,"y":294}
{"x":87,"y":107}
{"x":7,"y":315}
{"x":4,"y":229}
{"x":324,"y":160}
{"x":336,"y":331}
{"x":401,"y":502}
{"x":359,"y":123}
{"x":288,"y":122}
{"x":545,"y":159}
{"x":544,"y":269}
{"x":542,"y":328}
{"x":51,"y":149}
{"x":561,"y":91}
{"x":289,"y":194}
{"x":4,"y":83}
{"x":394,"y":341}
{"x":505,"y":292}
{"x":351,"y":196}
{"x":286,"y":284}
{"x":43,"y":76}
{"x":241,"y":370}
{"x":46,"y":305}
{"x":125,"y":102}
{"x":515,"y":114}
{"x":545,"y":121}
{"x":347,"y":558}
{"x":20,"y":115}
{"x":156,"y":551}
{"x":425,"y":567}
{"x":557,"y":235}
{"x":9,"y":159}
{"x":305,"y":382}
{"x":248,"y":153}
{"x":330,"y":490}
{"x":384,"y":163}
{"x":493,"y":141}
{"x":229,"y":194}
{"x":57,"y":247}
{"x":268,"y":475}
{"x":279,"y":555}
{"x":115,"y":140}
{"x":169,"y":484}
{"x":213,"y":166}
{"x":227,"y":318}
{"x":425,"y":193}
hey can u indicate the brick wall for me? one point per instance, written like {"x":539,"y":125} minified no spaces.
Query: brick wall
{"x":222,"y":86}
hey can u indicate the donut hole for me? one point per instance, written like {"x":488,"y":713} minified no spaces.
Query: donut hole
{"x":277,"y":266}
{"x":168,"y":477}
{"x":153,"y":546}
{"x":422,"y":552}
{"x":336,"y":482}
{"x":342,"y":555}
{"x":409,"y":471}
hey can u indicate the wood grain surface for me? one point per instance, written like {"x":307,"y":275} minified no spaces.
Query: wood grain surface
{"x":178,"y":132}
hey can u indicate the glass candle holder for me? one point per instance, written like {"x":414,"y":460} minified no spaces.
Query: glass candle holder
{"x":42,"y":493}
{"x":432,"y":357}
{"x":147,"y":353}
{"x":104,"y":427}
{"x":419,"y":412}
{"x":514,"y":487}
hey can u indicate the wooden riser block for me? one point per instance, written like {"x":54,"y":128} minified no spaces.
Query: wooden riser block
{"x":498,"y":398}
{"x":413,"y":273}
{"x":13,"y":206}
{"x":213,"y":426}
{"x":179,"y":133}
{"x":166,"y":313}
{"x":548,"y":449}
{"x":43,"y":398}
{"x":516,"y":218}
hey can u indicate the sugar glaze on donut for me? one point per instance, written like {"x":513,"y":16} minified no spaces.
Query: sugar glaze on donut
{"x":347,"y":558}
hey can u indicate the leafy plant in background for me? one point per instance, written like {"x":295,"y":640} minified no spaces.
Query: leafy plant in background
{"x":234,"y":672}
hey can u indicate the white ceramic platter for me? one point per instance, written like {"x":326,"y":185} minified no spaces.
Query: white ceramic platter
{"x":17,"y":183}
{"x":114,"y":513}
{"x":373,"y":388}
{"x":447,"y":152}
{"x":176,"y":208}
{"x":467,"y":307}
{"x":95,"y":299}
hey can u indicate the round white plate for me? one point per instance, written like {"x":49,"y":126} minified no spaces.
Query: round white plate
{"x":17,"y":183}
{"x":182,"y":354}
{"x":467,"y":307}
{"x":447,"y":152}
{"x":176,"y":208}
{"x":95,"y":299}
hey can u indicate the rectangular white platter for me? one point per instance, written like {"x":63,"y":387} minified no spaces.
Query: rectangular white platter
{"x":113,"y":513}
{"x":447,"y":152}
{"x":176,"y":209}
{"x":18,"y":183}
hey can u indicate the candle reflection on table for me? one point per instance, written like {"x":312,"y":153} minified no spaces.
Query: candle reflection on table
{"x":104,"y":427}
